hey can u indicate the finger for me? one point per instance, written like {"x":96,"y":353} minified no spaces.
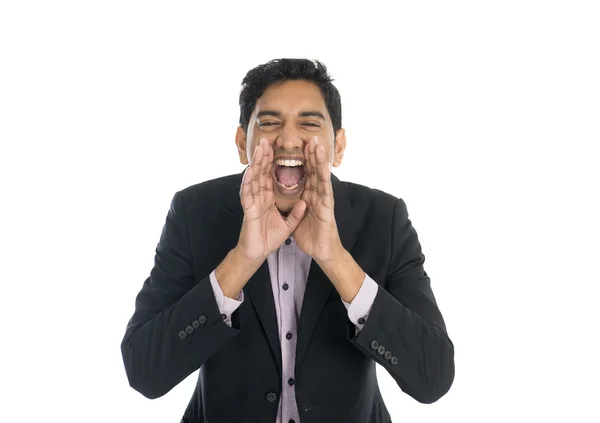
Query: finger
{"x":256,"y":162}
{"x":321,"y":162}
{"x":258,"y":153}
{"x":312,"y":158}
{"x":295,"y":216}
{"x":266,"y":166}
{"x":245,"y":194}
{"x":323,"y":166}
{"x":325,"y":187}
{"x":307,"y":168}
{"x":320,"y":154}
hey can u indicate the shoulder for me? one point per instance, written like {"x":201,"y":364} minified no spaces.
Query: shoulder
{"x":372,"y":201}
{"x":371,"y":211}
{"x":221,"y":187}
{"x":212,"y":194}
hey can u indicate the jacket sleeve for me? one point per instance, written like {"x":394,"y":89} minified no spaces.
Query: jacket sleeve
{"x":177,"y":324}
{"x":405,"y":331}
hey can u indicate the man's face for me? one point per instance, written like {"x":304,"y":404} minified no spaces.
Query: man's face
{"x":288,"y":115}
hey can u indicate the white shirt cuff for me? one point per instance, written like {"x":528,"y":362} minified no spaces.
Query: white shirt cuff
{"x":359,"y":309}
{"x":226,"y":305}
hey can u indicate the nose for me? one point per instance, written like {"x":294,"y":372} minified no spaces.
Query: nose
{"x":289,"y":139}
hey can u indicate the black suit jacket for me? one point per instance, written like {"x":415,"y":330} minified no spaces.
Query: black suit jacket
{"x":177,"y":327}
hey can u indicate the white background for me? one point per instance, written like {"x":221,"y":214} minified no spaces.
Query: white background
{"x":483,"y":116}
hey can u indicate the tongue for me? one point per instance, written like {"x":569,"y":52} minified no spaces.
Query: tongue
{"x":288,"y":176}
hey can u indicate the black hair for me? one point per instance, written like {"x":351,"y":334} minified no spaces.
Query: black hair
{"x":258,"y":79}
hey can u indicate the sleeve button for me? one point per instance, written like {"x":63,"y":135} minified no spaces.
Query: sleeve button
{"x":388,"y":355}
{"x":394,"y":360}
{"x":271,"y":396}
{"x":195,"y":324}
{"x":374,"y":345}
{"x":182,"y":334}
{"x":189,"y":329}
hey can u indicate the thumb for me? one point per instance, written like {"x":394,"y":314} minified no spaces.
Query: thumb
{"x":295,"y":216}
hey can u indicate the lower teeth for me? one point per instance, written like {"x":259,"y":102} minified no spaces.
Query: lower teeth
{"x":286,"y":187}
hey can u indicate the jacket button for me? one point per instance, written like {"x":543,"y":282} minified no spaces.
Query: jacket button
{"x":394,"y":360}
{"x":388,"y":355}
{"x":202,"y":319}
{"x":195,"y":324}
{"x":189,"y":329}
{"x":374,"y":345}
{"x":381,"y":350}
{"x":182,"y":334}
{"x":271,"y":396}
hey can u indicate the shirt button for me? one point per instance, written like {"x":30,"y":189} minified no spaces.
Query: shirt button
{"x":271,"y":396}
{"x":362,"y":321}
{"x":285,"y":286}
{"x":292,"y":421}
{"x":288,"y":335}
{"x":291,"y":381}
{"x":288,"y":241}
{"x":224,"y":316}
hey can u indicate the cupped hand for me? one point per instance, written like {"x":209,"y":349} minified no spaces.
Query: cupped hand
{"x":317,"y":234}
{"x":264,"y":229}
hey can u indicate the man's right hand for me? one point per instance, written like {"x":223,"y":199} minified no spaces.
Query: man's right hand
{"x":264,"y":228}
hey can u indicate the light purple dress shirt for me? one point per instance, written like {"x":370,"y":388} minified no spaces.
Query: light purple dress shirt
{"x":288,"y":269}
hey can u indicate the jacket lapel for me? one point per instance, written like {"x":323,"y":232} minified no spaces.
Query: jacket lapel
{"x":319,"y":287}
{"x":258,"y":289}
{"x":260,"y":292}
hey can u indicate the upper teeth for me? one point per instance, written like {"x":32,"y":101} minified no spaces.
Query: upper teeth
{"x":290,"y":163}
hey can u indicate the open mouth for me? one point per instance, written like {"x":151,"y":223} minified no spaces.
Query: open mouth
{"x":289,"y":174}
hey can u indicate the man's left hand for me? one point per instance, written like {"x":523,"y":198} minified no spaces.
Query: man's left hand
{"x":317,"y":234}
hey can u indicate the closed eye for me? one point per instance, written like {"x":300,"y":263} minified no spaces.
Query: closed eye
{"x":314,"y":125}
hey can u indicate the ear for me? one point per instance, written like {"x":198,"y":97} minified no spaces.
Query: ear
{"x":240,"y":142}
{"x":340,"y":147}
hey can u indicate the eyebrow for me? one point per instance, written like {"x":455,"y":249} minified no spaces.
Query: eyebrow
{"x":275,"y":113}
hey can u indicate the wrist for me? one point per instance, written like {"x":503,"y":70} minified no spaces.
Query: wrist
{"x":234,"y":272}
{"x":338,"y":255}
{"x":242,"y":261}
{"x":344,"y":273}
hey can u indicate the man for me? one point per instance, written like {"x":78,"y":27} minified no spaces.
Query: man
{"x":284,"y":285}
